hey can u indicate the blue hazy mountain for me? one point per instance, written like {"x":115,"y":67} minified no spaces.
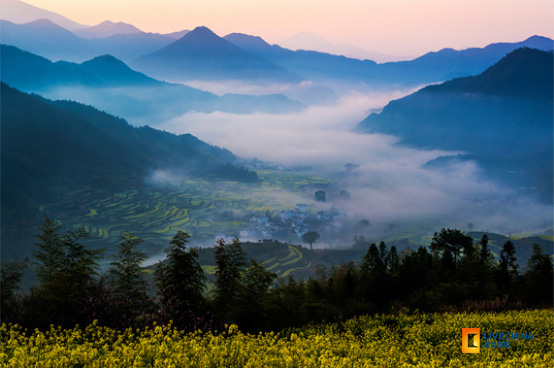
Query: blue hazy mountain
{"x":45,"y":38}
{"x":34,"y":73}
{"x":111,"y":85}
{"x":106,"y":29}
{"x":431,"y":67}
{"x":503,"y":118}
{"x":178,"y":34}
{"x":201,"y":54}
{"x":308,"y":64}
{"x":116,"y":72}
{"x":448,"y":63}
{"x":19,"y":12}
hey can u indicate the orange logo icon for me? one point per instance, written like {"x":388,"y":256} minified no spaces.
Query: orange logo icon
{"x":471,"y":339}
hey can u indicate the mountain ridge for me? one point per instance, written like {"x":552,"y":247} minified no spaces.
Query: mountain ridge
{"x":106,"y":29}
{"x":201,"y":54}
{"x":509,"y":102}
{"x":19,"y":12}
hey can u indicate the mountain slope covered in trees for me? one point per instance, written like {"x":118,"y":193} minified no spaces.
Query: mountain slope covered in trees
{"x":503,"y":118}
{"x":51,"y":149}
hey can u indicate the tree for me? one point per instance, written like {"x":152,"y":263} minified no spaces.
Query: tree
{"x":66,"y":270}
{"x":10,"y":276}
{"x":254,"y":304}
{"x":453,"y":241}
{"x":230,"y":262}
{"x":320,"y":196}
{"x":129,"y":286}
{"x":507,"y":270}
{"x":485,"y":253}
{"x":50,"y":256}
{"x":539,"y":278}
{"x":181,"y":282}
{"x":310,"y":237}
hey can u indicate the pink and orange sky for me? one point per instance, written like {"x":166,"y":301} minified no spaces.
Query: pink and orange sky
{"x":395,"y":27}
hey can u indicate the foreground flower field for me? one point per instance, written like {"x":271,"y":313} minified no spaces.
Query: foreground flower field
{"x":422,"y":340}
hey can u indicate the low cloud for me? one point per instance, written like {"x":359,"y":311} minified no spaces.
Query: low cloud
{"x":392,"y":184}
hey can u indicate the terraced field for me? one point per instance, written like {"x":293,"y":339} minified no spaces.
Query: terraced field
{"x":286,"y":259}
{"x":195,"y":206}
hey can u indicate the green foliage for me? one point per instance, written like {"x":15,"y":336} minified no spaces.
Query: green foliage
{"x":451,"y":241}
{"x":230,"y":262}
{"x":130,"y":290}
{"x":180,"y":281}
{"x":66,"y":270}
{"x":10,"y":276}
{"x":245,"y":292}
{"x":320,"y":196}
{"x":539,"y":278}
{"x":310,"y":237}
{"x":254,"y":302}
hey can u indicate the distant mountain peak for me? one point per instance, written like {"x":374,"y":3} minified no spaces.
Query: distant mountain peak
{"x":203,"y":54}
{"x":49,"y":27}
{"x":201,"y":39}
{"x":113,"y":70}
{"x":201,"y":32}
{"x":537,"y":37}
{"x":19,"y":12}
{"x":42,"y":23}
{"x":107,"y":29}
{"x":106,"y":59}
{"x":524,"y":72}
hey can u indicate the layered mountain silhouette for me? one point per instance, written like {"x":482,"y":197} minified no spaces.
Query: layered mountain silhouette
{"x":106,"y":29}
{"x":43,"y":37}
{"x":111,"y":85}
{"x":35,"y":73}
{"x":46,"y":38}
{"x":448,"y":63}
{"x":308,"y":64}
{"x":18,"y":12}
{"x":503,"y":118}
{"x":201,"y":54}
{"x":431,"y":67}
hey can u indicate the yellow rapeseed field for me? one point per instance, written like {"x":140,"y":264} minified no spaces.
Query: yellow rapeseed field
{"x":418,"y":340}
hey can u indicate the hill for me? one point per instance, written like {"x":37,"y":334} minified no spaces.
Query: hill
{"x":509,"y":102}
{"x":52,"y":149}
{"x":106,"y":29}
{"x":429,"y":68}
{"x":137,"y":97}
{"x":201,"y":54}
{"x":45,"y":38}
{"x":19,"y":12}
{"x":35,"y":73}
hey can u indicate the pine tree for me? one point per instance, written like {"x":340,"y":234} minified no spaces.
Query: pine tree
{"x":230,"y":261}
{"x":129,"y":286}
{"x":181,"y":282}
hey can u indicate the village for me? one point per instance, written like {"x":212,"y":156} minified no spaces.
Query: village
{"x":288,"y":225}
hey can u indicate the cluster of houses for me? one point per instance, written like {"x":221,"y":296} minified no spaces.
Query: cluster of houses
{"x":289,"y":225}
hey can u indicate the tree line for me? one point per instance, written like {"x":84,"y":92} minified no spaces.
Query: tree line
{"x":452,"y":273}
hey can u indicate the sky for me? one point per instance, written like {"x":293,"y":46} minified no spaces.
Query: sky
{"x":393,"y":27}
